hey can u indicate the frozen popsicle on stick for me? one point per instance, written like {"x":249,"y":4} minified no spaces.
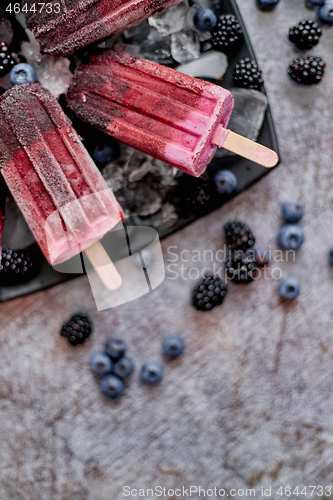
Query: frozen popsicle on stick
{"x":73,"y":24}
{"x":59,"y":190}
{"x":3,"y":191}
{"x":174,"y":117}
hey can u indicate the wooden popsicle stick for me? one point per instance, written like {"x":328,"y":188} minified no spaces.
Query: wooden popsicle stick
{"x":245,"y":147}
{"x":103,"y":266}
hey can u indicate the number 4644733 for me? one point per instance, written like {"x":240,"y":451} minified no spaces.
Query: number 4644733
{"x":37,"y":7}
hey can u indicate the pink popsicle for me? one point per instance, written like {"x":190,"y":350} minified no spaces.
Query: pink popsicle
{"x":69,"y":25}
{"x":58,"y":188}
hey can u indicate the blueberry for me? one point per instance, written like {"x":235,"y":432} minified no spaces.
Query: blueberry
{"x":100,"y":363}
{"x":263,"y":256}
{"x":314,"y":3}
{"x":267,"y":4}
{"x":115,"y":348}
{"x":204,"y":20}
{"x":290,"y":237}
{"x":106,"y":152}
{"x":292,"y":211}
{"x":151,"y":372}
{"x":124,"y":367}
{"x":325,"y":13}
{"x":22,"y":73}
{"x":289,"y":288}
{"x":225,"y":181}
{"x":111,"y":386}
{"x":173,"y":346}
{"x":331,"y":257}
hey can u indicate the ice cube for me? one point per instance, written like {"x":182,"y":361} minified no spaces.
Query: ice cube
{"x":171,"y":20}
{"x":156,"y":48}
{"x":212,"y":65}
{"x":247,"y":116}
{"x":185,"y":46}
{"x":6,"y":30}
{"x":16,"y":234}
{"x":138,"y":34}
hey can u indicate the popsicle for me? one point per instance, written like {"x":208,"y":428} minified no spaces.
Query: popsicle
{"x":174,"y":117}
{"x":61,"y":193}
{"x":64,"y":26}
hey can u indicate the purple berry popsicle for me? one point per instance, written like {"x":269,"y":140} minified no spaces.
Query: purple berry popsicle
{"x":65,"y":26}
{"x":59,"y":190}
{"x":171,"y":116}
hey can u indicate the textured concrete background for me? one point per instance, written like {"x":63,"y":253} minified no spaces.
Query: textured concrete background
{"x":250,"y":403}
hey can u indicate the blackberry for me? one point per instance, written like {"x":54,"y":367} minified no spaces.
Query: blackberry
{"x":238,"y":235}
{"x":305,"y":35}
{"x":241,"y":266}
{"x":307,"y":70}
{"x":77,"y":329}
{"x":194,"y":195}
{"x":7,"y":60}
{"x":208,"y":293}
{"x":227,"y":35}
{"x":17,"y":266}
{"x":247,"y":74}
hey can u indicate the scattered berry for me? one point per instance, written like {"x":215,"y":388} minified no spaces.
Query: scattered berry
{"x":241,"y":266}
{"x":194,"y":195}
{"x":289,"y":288}
{"x":238,"y":235}
{"x":17,"y":266}
{"x":292,"y":212}
{"x":314,"y":3}
{"x":290,"y":237}
{"x":305,"y":35}
{"x":100,"y":363}
{"x":246,"y":74}
{"x":152,"y":372}
{"x":6,"y":59}
{"x":227,"y":35}
{"x":267,"y":4}
{"x":22,"y":73}
{"x":263,"y":256}
{"x":111,"y":386}
{"x":115,"y":348}
{"x":124,"y":367}
{"x":208,"y":293}
{"x":325,"y":13}
{"x":331,"y":257}
{"x":226,"y":182}
{"x":77,"y":329}
{"x":173,"y":346}
{"x":105,"y":153}
{"x":204,"y":20}
{"x":307,"y":70}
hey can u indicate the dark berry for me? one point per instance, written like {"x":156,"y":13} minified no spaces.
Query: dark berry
{"x":208,"y":293}
{"x":204,"y":20}
{"x":263,"y":256}
{"x":330,"y":257}
{"x":325,"y":13}
{"x":227,"y":35}
{"x":17,"y":266}
{"x":289,"y":288}
{"x":124,"y":367}
{"x":6,"y":59}
{"x":290,"y":237}
{"x":267,"y":4}
{"x":22,"y":73}
{"x":152,"y":372}
{"x":238,"y":235}
{"x":292,"y":211}
{"x":100,"y":363}
{"x":225,"y":181}
{"x":305,"y":35}
{"x":105,"y":153}
{"x":112,"y":386}
{"x":307,"y":70}
{"x":194,"y":195}
{"x":246,"y":74}
{"x":115,"y":348}
{"x":77,"y":329}
{"x":311,"y":4}
{"x":173,"y":346}
{"x":241,"y":266}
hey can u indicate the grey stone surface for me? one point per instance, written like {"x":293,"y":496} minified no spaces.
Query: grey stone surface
{"x":250,"y":403}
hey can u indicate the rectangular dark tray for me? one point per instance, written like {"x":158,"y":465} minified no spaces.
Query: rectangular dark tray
{"x":247,"y":174}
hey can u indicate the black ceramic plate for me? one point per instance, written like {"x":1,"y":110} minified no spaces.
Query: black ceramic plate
{"x":247,"y":174}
